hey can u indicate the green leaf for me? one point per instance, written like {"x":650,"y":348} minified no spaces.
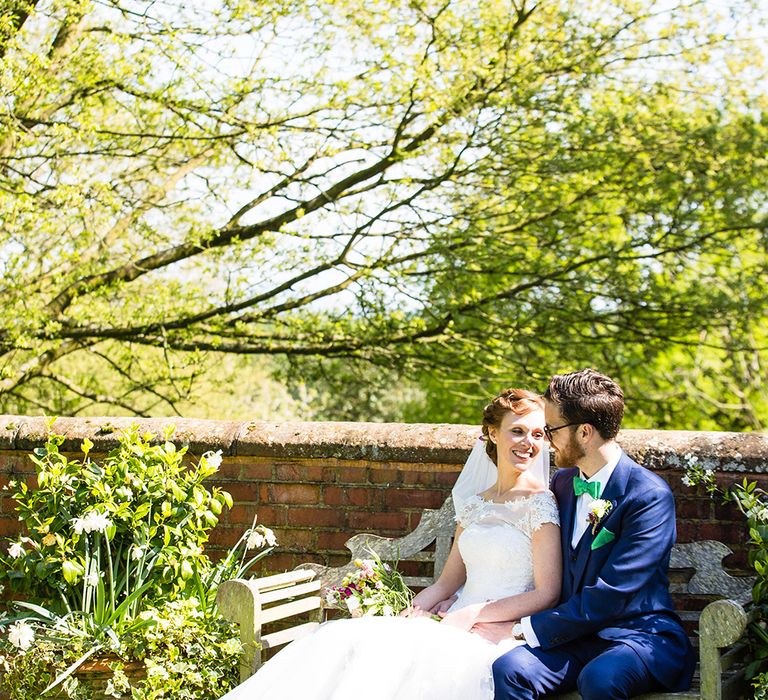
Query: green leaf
{"x":72,"y":571}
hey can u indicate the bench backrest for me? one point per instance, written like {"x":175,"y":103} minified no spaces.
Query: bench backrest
{"x":696,"y":568}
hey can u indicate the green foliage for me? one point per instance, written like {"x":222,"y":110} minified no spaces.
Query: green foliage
{"x":112,"y":562}
{"x":139,"y":518}
{"x":187,"y":654}
{"x":488,"y":190}
{"x":752,"y":501}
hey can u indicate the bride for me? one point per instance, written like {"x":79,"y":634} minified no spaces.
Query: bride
{"x":505,"y":563}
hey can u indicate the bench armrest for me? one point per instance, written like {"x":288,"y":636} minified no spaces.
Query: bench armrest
{"x":252,"y":603}
{"x":722,"y":624}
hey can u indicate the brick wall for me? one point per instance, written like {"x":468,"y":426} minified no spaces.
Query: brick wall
{"x":316,"y":484}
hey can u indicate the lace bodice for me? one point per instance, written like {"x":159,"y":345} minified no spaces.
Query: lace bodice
{"x":496,"y":545}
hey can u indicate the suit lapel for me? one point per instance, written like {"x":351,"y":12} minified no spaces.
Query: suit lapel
{"x":614,"y":491}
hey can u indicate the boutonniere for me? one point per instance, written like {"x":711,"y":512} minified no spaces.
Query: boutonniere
{"x":597,"y":511}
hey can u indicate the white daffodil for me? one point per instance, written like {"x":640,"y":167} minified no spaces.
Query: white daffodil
{"x":213,"y":458}
{"x":269,"y":536}
{"x":16,"y":550}
{"x":255,"y":540}
{"x":21,"y":635}
{"x":92,"y":522}
{"x":97,"y":522}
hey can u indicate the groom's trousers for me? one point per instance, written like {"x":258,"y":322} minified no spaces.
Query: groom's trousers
{"x":600,"y":669}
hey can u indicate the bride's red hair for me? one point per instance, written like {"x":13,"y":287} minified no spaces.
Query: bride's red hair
{"x":518,"y":401}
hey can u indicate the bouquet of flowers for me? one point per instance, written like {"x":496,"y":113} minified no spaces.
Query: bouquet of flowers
{"x":374,"y":588}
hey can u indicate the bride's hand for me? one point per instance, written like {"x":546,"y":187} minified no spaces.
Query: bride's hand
{"x":443,"y":606}
{"x":415,"y":611}
{"x":465,"y":618}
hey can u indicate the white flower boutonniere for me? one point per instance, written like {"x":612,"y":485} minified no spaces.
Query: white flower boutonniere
{"x":597,"y":511}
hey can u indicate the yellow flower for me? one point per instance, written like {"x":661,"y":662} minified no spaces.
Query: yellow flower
{"x":49,"y":540}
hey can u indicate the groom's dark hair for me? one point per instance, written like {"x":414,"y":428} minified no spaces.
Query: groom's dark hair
{"x":587,"y":396}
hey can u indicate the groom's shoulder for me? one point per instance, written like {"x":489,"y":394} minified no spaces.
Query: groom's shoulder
{"x":563,"y":475}
{"x":643,"y":478}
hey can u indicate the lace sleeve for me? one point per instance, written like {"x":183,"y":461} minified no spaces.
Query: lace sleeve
{"x":543,"y":509}
{"x":470,"y":511}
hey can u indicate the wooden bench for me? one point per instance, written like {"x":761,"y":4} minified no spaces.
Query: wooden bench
{"x":695,"y":569}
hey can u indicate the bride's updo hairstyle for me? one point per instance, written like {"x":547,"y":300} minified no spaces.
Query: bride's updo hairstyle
{"x":519,"y":401}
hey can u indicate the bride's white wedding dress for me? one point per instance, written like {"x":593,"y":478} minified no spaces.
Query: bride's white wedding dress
{"x":395,"y":658}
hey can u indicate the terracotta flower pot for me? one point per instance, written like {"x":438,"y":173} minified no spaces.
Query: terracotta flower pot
{"x":96,"y":673}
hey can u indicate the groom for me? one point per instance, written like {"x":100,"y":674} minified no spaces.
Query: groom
{"x":614,"y":633}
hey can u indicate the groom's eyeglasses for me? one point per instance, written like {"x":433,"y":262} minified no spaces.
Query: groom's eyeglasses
{"x":548,"y":431}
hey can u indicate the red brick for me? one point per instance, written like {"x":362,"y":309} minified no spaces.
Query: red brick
{"x":225,"y":536}
{"x":694,"y":509}
{"x":295,"y":539}
{"x":713,"y":531}
{"x":332,"y":540}
{"x":334,"y":496}
{"x":314,"y":472}
{"x":9,"y":526}
{"x":294,"y":493}
{"x":256,"y":471}
{"x":289,"y":472}
{"x":7,"y":504}
{"x":318,"y":517}
{"x":299,"y":472}
{"x":229,"y":469}
{"x":330,"y":475}
{"x":377,"y":522}
{"x":353,"y":475}
{"x":338,"y":559}
{"x":414,"y":498}
{"x":278,"y":562}
{"x":340,"y":495}
{"x":16,"y":463}
{"x":446,"y":478}
{"x":385,"y":476}
{"x":242,"y":514}
{"x":242,"y":491}
{"x":362,"y":497}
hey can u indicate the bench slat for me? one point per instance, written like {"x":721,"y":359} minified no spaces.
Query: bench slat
{"x":734,"y":655}
{"x":296,"y":607}
{"x":289,"y":578}
{"x":417,"y":581}
{"x":289,"y":592}
{"x":270,"y":641}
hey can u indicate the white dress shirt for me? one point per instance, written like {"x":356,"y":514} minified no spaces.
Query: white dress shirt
{"x":580,"y":525}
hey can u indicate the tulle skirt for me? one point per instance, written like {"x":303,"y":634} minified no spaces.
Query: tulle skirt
{"x":378,"y":658}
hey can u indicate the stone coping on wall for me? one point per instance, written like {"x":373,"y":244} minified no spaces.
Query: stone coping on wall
{"x":379,"y":442}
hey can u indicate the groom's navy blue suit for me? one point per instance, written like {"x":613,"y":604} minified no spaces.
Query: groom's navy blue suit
{"x":614,"y":633}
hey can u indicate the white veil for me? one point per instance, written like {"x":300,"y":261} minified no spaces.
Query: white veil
{"x":479,"y":473}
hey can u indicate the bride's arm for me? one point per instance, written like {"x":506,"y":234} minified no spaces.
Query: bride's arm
{"x":547,"y":573}
{"x":451,"y":578}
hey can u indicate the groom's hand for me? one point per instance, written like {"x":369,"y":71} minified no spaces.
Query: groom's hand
{"x":494,"y":632}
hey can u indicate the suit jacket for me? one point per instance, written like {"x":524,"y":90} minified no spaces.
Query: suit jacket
{"x":620,"y":591}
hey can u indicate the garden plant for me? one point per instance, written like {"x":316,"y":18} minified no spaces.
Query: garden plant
{"x":111,"y":566}
{"x":752,"y":501}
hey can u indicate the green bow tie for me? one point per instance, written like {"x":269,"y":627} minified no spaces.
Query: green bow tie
{"x":582,"y":486}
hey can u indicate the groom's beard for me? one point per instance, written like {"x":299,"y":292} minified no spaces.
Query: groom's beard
{"x":570,"y":454}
